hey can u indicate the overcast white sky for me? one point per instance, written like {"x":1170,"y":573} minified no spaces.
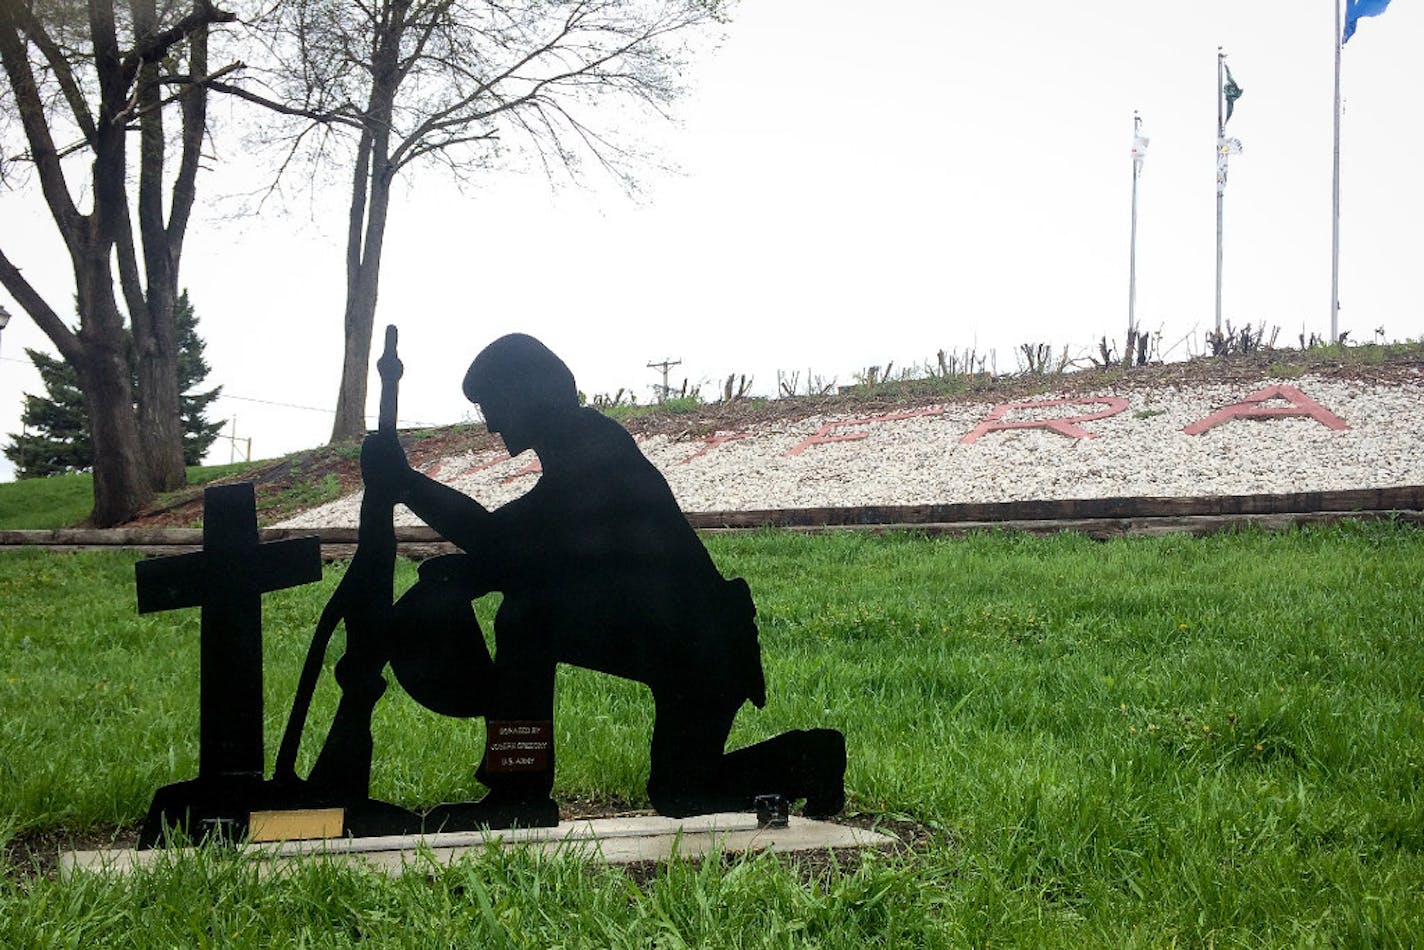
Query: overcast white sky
{"x":858,"y":183}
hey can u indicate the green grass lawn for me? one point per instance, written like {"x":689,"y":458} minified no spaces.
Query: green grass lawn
{"x":62,"y":501}
{"x":39,"y":503}
{"x":1157,"y":742}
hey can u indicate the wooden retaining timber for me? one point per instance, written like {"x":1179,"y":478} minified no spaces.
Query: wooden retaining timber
{"x":1095,"y":517}
{"x":1080,"y":509}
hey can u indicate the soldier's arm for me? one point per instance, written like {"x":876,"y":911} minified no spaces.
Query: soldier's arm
{"x":456,"y":516}
{"x":388,"y":476}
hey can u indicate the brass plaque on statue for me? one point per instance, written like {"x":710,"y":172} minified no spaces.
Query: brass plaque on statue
{"x":296,"y":824}
{"x":518,"y":745}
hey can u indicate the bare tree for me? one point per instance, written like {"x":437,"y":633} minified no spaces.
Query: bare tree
{"x":390,"y":83}
{"x":96,"y":74}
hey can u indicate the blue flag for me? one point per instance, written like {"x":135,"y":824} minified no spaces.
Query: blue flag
{"x":1354,"y":9}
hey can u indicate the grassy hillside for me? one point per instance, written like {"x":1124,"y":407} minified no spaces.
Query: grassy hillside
{"x":62,"y":501}
{"x":55,"y":502}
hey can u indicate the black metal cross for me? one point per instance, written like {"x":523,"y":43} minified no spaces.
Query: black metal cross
{"x":227,"y":580}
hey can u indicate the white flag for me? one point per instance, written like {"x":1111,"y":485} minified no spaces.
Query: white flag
{"x":1224,"y":148}
{"x":1139,"y":150}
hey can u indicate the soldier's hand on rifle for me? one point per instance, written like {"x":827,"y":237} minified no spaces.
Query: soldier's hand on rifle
{"x":384,"y":468}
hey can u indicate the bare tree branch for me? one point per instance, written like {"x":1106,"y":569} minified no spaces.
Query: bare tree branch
{"x":192,"y":85}
{"x":338,"y":117}
{"x":63,"y":73}
{"x":154,"y":47}
{"x":37,"y":133}
{"x":27,"y":297}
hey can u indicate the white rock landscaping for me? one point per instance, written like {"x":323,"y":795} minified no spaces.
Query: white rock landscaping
{"x":928,"y":454}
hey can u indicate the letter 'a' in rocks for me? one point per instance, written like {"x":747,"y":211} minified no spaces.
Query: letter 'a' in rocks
{"x":598,"y":568}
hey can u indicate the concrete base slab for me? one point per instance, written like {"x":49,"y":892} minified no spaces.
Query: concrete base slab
{"x":606,"y":840}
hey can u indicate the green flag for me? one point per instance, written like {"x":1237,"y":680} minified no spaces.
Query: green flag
{"x":1231,"y":92}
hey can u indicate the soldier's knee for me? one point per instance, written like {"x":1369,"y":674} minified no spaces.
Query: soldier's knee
{"x":672,"y":797}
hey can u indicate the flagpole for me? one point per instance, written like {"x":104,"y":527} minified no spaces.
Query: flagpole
{"x":1220,"y":141}
{"x":1335,"y":199}
{"x":1132,"y":243}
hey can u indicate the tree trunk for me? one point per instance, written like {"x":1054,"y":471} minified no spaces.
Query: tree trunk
{"x":151,"y":315}
{"x":355,"y":368}
{"x":365,"y":237}
{"x":361,"y":320}
{"x":120,"y":482}
{"x":121,"y":485}
{"x":160,"y":421}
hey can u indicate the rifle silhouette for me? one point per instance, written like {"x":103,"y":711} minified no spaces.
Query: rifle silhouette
{"x":362,"y":599}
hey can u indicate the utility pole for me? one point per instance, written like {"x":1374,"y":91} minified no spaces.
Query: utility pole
{"x":665,"y":365}
{"x":232,"y":444}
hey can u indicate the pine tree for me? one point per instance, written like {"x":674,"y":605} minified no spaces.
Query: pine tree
{"x":56,"y":436}
{"x":198,"y":432}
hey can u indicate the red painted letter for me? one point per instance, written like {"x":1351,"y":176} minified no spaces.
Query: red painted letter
{"x":1064,"y":425}
{"x":1250,"y":408}
{"x":823,"y":434}
{"x":460,"y":467}
{"x":712,"y":441}
{"x":533,"y":468}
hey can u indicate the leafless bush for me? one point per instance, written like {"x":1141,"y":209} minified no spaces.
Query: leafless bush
{"x":872,"y":376}
{"x":788,"y":384}
{"x":1134,"y":353}
{"x":1242,"y":342}
{"x":663,"y":392}
{"x":1141,"y":341}
{"x":1038,"y":359}
{"x":736,"y":388}
{"x":623,"y":397}
{"x":950,"y":365}
{"x":1315,"y":340}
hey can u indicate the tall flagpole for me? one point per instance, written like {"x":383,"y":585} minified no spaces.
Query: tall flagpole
{"x":1335,"y":199}
{"x":1132,"y":244}
{"x":1220,"y":185}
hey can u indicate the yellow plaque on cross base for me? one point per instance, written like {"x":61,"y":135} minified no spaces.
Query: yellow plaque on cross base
{"x":295,"y":824}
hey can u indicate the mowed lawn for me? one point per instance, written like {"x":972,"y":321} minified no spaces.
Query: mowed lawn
{"x":1156,"y":742}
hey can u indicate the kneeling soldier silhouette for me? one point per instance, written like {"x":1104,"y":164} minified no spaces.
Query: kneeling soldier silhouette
{"x":600,"y":569}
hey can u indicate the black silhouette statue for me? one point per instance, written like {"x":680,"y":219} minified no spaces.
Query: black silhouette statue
{"x":598,"y":568}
